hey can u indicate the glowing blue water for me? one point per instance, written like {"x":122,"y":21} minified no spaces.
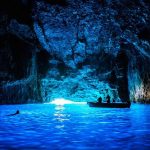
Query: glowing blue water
{"x":74,"y":127}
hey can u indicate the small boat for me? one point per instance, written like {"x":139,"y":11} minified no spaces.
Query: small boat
{"x":109,"y":105}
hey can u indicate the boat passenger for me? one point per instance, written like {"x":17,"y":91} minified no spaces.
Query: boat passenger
{"x":108,"y":99}
{"x":99,"y":100}
{"x":128,"y":101}
{"x":113,"y":101}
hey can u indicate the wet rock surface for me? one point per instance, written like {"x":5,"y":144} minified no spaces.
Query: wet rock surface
{"x":77,"y":50}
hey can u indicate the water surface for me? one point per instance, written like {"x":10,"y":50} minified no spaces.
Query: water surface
{"x":74,"y":126}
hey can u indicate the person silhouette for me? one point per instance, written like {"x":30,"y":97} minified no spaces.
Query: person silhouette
{"x":16,"y":113}
{"x":99,"y":100}
{"x":108,"y":99}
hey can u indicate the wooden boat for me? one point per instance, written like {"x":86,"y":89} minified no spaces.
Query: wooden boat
{"x":109,"y":105}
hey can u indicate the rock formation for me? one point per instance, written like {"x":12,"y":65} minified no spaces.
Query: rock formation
{"x":74,"y":49}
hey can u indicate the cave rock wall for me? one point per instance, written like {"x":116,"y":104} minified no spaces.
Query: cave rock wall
{"x":77,"y":50}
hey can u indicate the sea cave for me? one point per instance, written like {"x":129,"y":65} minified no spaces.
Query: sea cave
{"x":56,"y":56}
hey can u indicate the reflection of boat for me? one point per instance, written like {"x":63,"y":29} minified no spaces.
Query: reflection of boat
{"x":109,"y":105}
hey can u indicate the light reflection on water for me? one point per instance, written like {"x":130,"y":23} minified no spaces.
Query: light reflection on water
{"x":74,"y":127}
{"x":60,"y":116}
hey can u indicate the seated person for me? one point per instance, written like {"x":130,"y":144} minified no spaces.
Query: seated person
{"x":99,"y":100}
{"x":108,"y":99}
{"x":113,"y":101}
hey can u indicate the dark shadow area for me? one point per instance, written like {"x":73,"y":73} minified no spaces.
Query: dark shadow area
{"x":18,"y":9}
{"x":43,"y":62}
{"x":63,"y":3}
{"x":15,"y":57}
{"x":144,"y":34}
{"x":122,"y":78}
{"x":21,"y":54}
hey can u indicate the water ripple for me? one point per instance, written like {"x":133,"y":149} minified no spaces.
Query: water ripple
{"x":74,"y":127}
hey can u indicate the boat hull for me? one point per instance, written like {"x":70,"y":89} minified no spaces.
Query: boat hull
{"x":109,"y":105}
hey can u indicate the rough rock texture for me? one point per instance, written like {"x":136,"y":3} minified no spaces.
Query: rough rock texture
{"x":75,"y":49}
{"x":18,"y":64}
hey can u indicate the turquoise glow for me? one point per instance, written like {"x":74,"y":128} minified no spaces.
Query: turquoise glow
{"x":73,"y":126}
